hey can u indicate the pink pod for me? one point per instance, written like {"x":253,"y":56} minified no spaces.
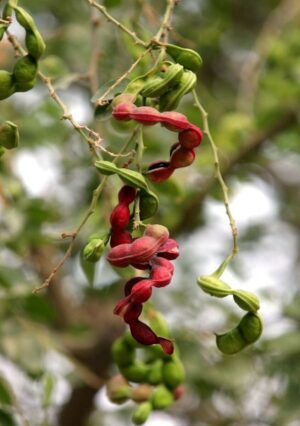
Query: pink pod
{"x":123,"y":111}
{"x":182,"y":157}
{"x":158,"y":232}
{"x":143,"y":334}
{"x":174,"y":121}
{"x":147,"y":116}
{"x":132,"y":282}
{"x":162,"y":262}
{"x":159,"y":171}
{"x":141,"y":291}
{"x":170,"y":250}
{"x":132,"y":313}
{"x":120,"y":255}
{"x":120,"y":237}
{"x":160,"y":276}
{"x":190,"y":138}
{"x":140,"y":266}
{"x":144,"y":248}
{"x":120,"y":217}
{"x":126,"y":194}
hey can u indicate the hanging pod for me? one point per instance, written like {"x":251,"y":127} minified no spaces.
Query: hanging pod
{"x":188,"y":58}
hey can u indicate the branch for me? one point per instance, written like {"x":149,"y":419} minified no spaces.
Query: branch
{"x":219,"y":176}
{"x":90,"y":211}
{"x":166,"y":22}
{"x":114,"y":21}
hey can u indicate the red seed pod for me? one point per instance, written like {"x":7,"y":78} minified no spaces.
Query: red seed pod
{"x":119,"y":255}
{"x":161,"y":276}
{"x":146,"y":115}
{"x":126,"y":194}
{"x":123,"y":111}
{"x":120,"y":237}
{"x":190,"y":138}
{"x":162,"y":262}
{"x":120,"y":217}
{"x":143,"y":333}
{"x":167,"y":345}
{"x":174,"y":147}
{"x":170,"y":250}
{"x":158,"y":232}
{"x":159,"y":171}
{"x":143,"y":249}
{"x":174,"y":121}
{"x":141,"y":292}
{"x":132,"y":313}
{"x":178,"y":392}
{"x":182,"y":157}
{"x":130,"y":284}
{"x":141,"y":266}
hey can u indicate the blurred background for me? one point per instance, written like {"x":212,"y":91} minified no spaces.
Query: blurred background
{"x":55,"y":346}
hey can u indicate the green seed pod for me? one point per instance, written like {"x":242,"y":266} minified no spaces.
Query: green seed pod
{"x":94,"y":250}
{"x":161,"y":398}
{"x":158,"y":323}
{"x":251,"y":327}
{"x":7,"y":87}
{"x":25,"y":69}
{"x":122,"y":354}
{"x":9,"y":135}
{"x":141,"y":393}
{"x":173,"y":373}
{"x":141,"y":413}
{"x":188,"y":58}
{"x":118,"y":390}
{"x":136,"y":372}
{"x":170,"y":100}
{"x":24,"y":87}
{"x":148,"y":204}
{"x":35,"y":44}
{"x":24,"y":19}
{"x":246,"y":300}
{"x":231,"y":342}
{"x":157,"y":86}
{"x":155,"y":373}
{"x":130,"y":341}
{"x":214,"y":286}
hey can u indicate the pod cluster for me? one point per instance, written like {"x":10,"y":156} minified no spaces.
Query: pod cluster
{"x":153,"y":381}
{"x":182,"y":153}
{"x":153,"y":252}
{"x":23,"y":76}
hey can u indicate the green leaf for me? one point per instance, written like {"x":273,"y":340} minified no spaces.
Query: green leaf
{"x":88,"y":268}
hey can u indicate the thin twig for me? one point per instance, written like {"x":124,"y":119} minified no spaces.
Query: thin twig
{"x":166,"y":22}
{"x":91,"y":209}
{"x":102,"y":99}
{"x":219,"y":176}
{"x":139,"y":157}
{"x":113,"y":20}
{"x":95,"y":51}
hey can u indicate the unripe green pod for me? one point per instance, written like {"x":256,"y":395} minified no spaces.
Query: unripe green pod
{"x":24,"y":19}
{"x":141,"y":393}
{"x":35,"y":44}
{"x":158,"y":323}
{"x":148,"y":204}
{"x":7,"y":87}
{"x":94,"y":250}
{"x":190,"y":59}
{"x":214,"y":286}
{"x":130,"y":341}
{"x":231,"y":342}
{"x":141,"y":413}
{"x":118,"y":390}
{"x":136,"y":372}
{"x":155,"y":373}
{"x":246,"y":300}
{"x":171,"y":99}
{"x":122,"y":354}
{"x":161,"y":398}
{"x":25,"y":69}
{"x":173,"y":373}
{"x":9,"y":135}
{"x":251,"y":327}
{"x":24,"y":87}
{"x":157,"y":86}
